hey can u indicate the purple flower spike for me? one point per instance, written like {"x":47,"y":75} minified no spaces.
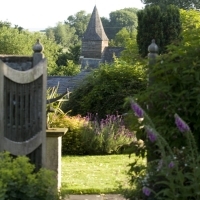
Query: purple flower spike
{"x":146,"y":191}
{"x":182,"y":126}
{"x":137,"y":110}
{"x":171,"y":164}
{"x":150,"y":134}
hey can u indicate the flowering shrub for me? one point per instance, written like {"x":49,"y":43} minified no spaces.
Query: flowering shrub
{"x":175,"y":85}
{"x":89,"y":136}
{"x":175,"y":174}
{"x":105,"y":136}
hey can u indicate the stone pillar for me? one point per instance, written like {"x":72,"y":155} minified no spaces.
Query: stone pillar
{"x":153,"y":50}
{"x":153,"y":53}
{"x":37,"y":55}
{"x":54,"y":151}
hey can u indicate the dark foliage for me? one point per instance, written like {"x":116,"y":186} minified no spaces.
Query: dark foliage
{"x":105,"y":89}
{"x":162,"y":25}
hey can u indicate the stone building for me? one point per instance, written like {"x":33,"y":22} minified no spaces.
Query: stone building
{"x":94,"y":39}
{"x":94,"y":50}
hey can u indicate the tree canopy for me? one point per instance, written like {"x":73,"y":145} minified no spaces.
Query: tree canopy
{"x":16,"y":42}
{"x":79,"y":22}
{"x":184,"y":4}
{"x":124,"y":18}
{"x":63,"y":34}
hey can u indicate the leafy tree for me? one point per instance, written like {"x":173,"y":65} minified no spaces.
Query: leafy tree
{"x":130,"y":53}
{"x":70,"y":69}
{"x":68,"y":62}
{"x":184,"y":4}
{"x":79,"y":22}
{"x":119,"y":19}
{"x":72,"y":54}
{"x":5,"y":23}
{"x":63,"y":34}
{"x":15,"y":42}
{"x":122,"y":36}
{"x":163,"y":26}
{"x":50,"y":33}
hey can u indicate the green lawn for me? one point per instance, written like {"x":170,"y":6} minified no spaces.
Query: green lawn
{"x":94,"y":174}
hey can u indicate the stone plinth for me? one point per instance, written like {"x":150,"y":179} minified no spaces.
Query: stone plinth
{"x":54,"y":151}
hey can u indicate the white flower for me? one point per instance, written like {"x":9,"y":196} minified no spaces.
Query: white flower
{"x":140,"y":119}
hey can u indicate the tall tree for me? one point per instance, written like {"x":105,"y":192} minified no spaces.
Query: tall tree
{"x":184,"y":4}
{"x":162,"y":25}
{"x":63,"y":34}
{"x":119,"y":19}
{"x":122,"y":37}
{"x":16,"y":42}
{"x":79,"y":21}
{"x":5,"y":23}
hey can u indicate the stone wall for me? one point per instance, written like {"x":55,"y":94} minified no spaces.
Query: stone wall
{"x":89,"y":63}
{"x":93,"y":49}
{"x":21,"y":63}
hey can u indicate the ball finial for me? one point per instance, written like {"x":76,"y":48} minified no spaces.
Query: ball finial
{"x":38,"y":47}
{"x":153,"y":47}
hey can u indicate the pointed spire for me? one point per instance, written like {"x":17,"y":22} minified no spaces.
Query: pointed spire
{"x":95,"y":30}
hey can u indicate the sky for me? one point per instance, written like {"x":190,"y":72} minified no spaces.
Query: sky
{"x":35,"y":15}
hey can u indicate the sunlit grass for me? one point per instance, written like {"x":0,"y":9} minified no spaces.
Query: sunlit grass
{"x":94,"y":174}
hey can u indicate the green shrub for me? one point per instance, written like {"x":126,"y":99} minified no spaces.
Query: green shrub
{"x":70,"y":70}
{"x":105,"y":89}
{"x":71,"y":141}
{"x":18,"y":181}
{"x":176,"y":83}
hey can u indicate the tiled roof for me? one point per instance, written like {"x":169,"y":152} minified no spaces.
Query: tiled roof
{"x":65,"y":83}
{"x":95,"y":30}
{"x":109,"y":52}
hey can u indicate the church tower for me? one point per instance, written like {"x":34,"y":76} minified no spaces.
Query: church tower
{"x":94,"y":39}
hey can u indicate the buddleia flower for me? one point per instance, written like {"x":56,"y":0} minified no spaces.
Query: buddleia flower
{"x":146,"y":191}
{"x":151,"y":134}
{"x":181,"y":125}
{"x":137,"y":109}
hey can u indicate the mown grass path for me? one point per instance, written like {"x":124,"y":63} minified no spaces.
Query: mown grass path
{"x":94,"y":174}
